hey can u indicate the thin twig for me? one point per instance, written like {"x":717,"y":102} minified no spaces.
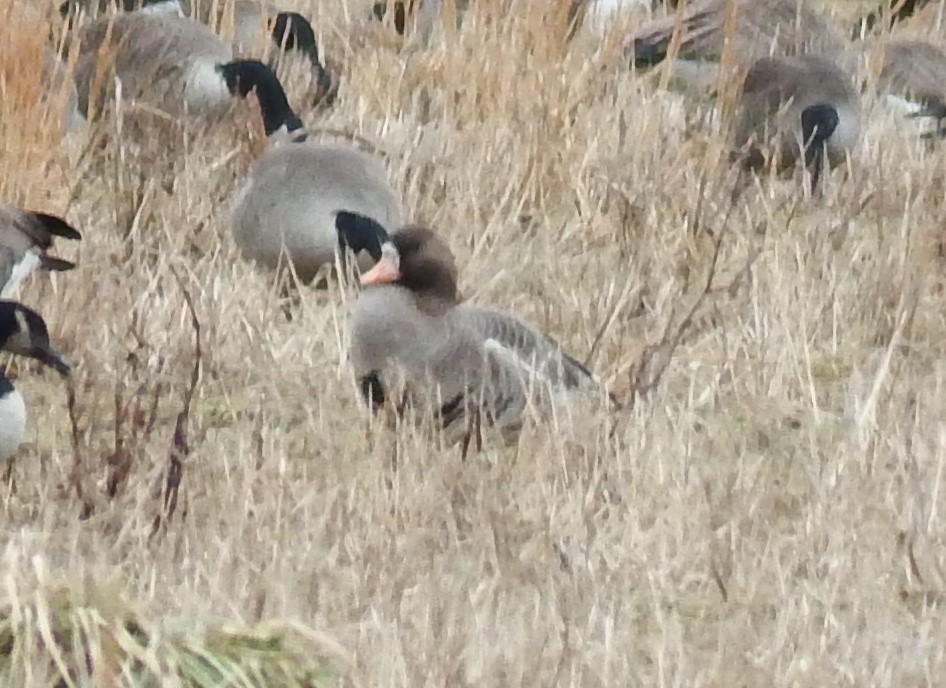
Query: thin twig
{"x":180,"y":447}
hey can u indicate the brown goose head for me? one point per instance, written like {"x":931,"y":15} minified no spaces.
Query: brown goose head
{"x":418,"y":260}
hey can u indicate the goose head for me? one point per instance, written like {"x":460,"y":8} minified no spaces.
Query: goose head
{"x":416,"y":259}
{"x":292,"y":31}
{"x":243,"y":77}
{"x":23,"y":331}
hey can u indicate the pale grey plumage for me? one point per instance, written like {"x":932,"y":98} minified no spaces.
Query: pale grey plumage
{"x":170,"y":59}
{"x":287,"y":206}
{"x":776,"y":93}
{"x":761,"y":28}
{"x":914,"y":69}
{"x":452,"y":360}
{"x":56,"y":83}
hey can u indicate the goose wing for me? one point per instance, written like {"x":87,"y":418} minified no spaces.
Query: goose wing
{"x":534,"y":353}
{"x":759,"y":24}
{"x":916,"y":69}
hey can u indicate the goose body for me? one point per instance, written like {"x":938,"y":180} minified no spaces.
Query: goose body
{"x":57,"y":83}
{"x":25,"y":238}
{"x":760,"y":28}
{"x":250,"y":20}
{"x":798,"y":108}
{"x":12,"y":419}
{"x":23,"y":332}
{"x":914,"y":69}
{"x":177,"y":65}
{"x":454,"y":360}
{"x":288,"y":208}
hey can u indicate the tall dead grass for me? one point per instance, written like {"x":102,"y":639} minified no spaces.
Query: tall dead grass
{"x":770,"y":513}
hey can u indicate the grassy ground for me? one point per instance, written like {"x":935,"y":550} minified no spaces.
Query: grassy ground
{"x":768,"y":515}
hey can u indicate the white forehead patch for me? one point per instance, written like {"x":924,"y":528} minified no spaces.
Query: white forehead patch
{"x":21,"y":321}
{"x":389,"y":253}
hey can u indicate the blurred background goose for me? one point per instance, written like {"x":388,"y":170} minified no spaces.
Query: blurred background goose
{"x":410,"y":330}
{"x":300,"y":201}
{"x":794,"y":109}
{"x":175,"y":64}
{"x":759,"y":28}
{"x":25,"y":238}
{"x":290,"y":32}
{"x":22,"y":331}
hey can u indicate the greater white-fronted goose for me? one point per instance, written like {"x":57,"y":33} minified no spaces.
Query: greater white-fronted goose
{"x":449,"y":359}
{"x":297,"y":206}
{"x":25,"y":238}
{"x":22,"y":331}
{"x":797,"y":108}
{"x":177,"y":65}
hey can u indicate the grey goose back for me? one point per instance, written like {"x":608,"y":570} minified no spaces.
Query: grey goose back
{"x":913,"y":71}
{"x":296,"y":207}
{"x":25,"y":238}
{"x":750,"y":29}
{"x":23,"y":332}
{"x":795,"y":109}
{"x":414,"y":340}
{"x":289,"y":31}
{"x":177,"y":65}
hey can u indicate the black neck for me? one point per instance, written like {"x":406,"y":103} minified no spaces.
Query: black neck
{"x":246,"y":76}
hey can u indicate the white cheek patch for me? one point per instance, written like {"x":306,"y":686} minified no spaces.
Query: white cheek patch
{"x":205,"y":87}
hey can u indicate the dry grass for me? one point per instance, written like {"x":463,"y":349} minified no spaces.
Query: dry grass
{"x":769,"y":515}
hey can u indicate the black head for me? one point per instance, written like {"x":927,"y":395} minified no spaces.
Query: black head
{"x":359,"y":233}
{"x":818,"y":123}
{"x":292,"y":31}
{"x":252,"y":76}
{"x":23,"y":331}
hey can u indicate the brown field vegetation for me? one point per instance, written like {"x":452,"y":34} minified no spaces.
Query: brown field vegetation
{"x":767,"y":514}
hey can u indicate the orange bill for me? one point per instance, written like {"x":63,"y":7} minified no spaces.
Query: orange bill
{"x":383,"y":272}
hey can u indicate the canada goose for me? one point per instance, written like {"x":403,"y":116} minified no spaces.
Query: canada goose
{"x":760,"y":28}
{"x":410,"y":328}
{"x":22,"y":331}
{"x":25,"y":236}
{"x":177,"y":64}
{"x":422,"y":15}
{"x":419,"y":14}
{"x":806,"y":107}
{"x":914,"y":69}
{"x":289,"y":207}
{"x":289,"y":30}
